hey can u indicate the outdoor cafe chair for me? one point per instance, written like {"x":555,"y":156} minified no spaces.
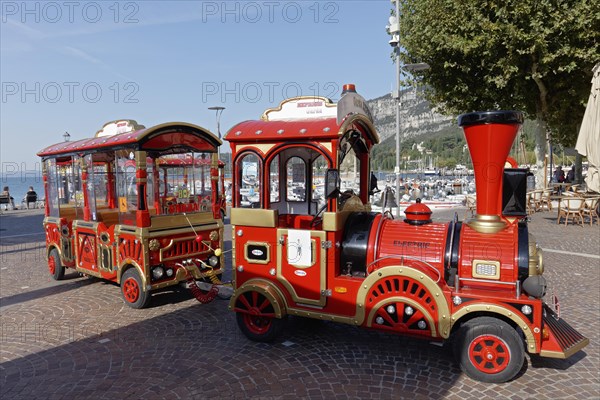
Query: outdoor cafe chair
{"x":571,"y":206}
{"x":6,"y":201}
{"x":590,"y":209}
{"x":530,"y":203}
{"x":471,"y":202}
{"x":575,"y":188}
{"x":29,"y":199}
{"x":545,"y":200}
{"x":537,"y":199}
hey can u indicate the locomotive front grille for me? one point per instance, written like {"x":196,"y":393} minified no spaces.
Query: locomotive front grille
{"x":183,"y":247}
{"x":569,"y":339}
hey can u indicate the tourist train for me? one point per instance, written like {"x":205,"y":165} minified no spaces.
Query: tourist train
{"x":303,"y":245}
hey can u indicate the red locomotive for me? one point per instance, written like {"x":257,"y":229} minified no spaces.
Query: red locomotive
{"x":304,"y":246}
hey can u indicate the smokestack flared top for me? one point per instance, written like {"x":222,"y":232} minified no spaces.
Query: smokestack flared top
{"x":489,"y":135}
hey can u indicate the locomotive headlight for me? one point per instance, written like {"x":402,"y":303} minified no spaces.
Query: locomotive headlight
{"x":213,"y":261}
{"x":158,"y":272}
{"x":526,"y":309}
{"x":486,"y":269}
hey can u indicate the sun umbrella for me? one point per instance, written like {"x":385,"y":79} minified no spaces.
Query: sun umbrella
{"x":588,"y":142}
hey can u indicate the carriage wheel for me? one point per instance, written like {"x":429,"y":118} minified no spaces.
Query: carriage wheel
{"x":132,"y":290}
{"x":256,"y":317}
{"x":57,"y":270}
{"x":489,"y":350}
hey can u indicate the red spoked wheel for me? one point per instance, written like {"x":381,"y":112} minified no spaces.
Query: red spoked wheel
{"x":489,"y":354}
{"x":132,"y":290}
{"x":401,"y":318}
{"x":256,"y":317}
{"x":387,"y":312}
{"x":55,"y":267}
{"x":489,"y":350}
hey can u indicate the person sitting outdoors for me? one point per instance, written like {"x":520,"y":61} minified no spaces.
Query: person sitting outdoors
{"x":6,"y":194}
{"x":30,"y":196}
{"x":559,"y":175}
{"x":571,"y":175}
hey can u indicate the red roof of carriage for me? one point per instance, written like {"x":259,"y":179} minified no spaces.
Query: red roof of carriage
{"x":179,"y":134}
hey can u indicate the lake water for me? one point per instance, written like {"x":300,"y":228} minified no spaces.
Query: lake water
{"x":19,"y":185}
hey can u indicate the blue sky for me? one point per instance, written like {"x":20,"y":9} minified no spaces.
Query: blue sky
{"x":72,"y":66}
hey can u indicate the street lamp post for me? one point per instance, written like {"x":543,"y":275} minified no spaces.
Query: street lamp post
{"x":66,"y":136}
{"x":218,"y":111}
{"x":394,"y":31}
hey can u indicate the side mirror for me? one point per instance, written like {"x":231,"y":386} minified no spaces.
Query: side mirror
{"x":332,"y":180}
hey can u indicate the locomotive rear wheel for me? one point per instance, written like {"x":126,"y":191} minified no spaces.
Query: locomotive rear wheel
{"x":132,"y":290}
{"x":57,"y":270}
{"x":489,"y":350}
{"x":256,"y":319}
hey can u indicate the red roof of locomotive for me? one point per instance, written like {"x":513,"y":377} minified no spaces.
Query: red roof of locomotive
{"x":249,"y":131}
{"x":303,"y":129}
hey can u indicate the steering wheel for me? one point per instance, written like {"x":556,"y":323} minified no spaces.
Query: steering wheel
{"x":317,"y":218}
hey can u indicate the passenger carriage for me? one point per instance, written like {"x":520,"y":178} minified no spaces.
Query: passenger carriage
{"x":141,"y":207}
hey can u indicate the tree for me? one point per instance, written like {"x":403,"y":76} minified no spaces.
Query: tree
{"x":531,"y":55}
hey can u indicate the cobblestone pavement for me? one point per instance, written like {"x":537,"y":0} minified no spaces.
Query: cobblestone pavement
{"x":77,"y":339}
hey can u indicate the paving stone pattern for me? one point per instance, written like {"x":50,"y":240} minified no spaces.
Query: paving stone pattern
{"x":76,"y":339}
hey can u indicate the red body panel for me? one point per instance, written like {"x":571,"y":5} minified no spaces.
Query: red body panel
{"x":402,"y":243}
{"x":501,"y":246}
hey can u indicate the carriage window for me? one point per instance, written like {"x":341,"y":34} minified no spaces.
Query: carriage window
{"x":150,"y":183}
{"x":126,"y":184}
{"x":69,"y":187}
{"x":99,"y":180}
{"x":90,"y":185}
{"x":350,"y":163}
{"x":274,"y":179}
{"x":319,"y":166}
{"x":296,"y":179}
{"x":248,"y":170}
{"x":185,"y":183}
{"x":52,"y":198}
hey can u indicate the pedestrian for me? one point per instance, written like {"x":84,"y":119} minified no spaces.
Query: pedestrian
{"x":6,"y":194}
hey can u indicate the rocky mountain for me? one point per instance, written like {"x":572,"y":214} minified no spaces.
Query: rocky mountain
{"x":417,"y":118}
